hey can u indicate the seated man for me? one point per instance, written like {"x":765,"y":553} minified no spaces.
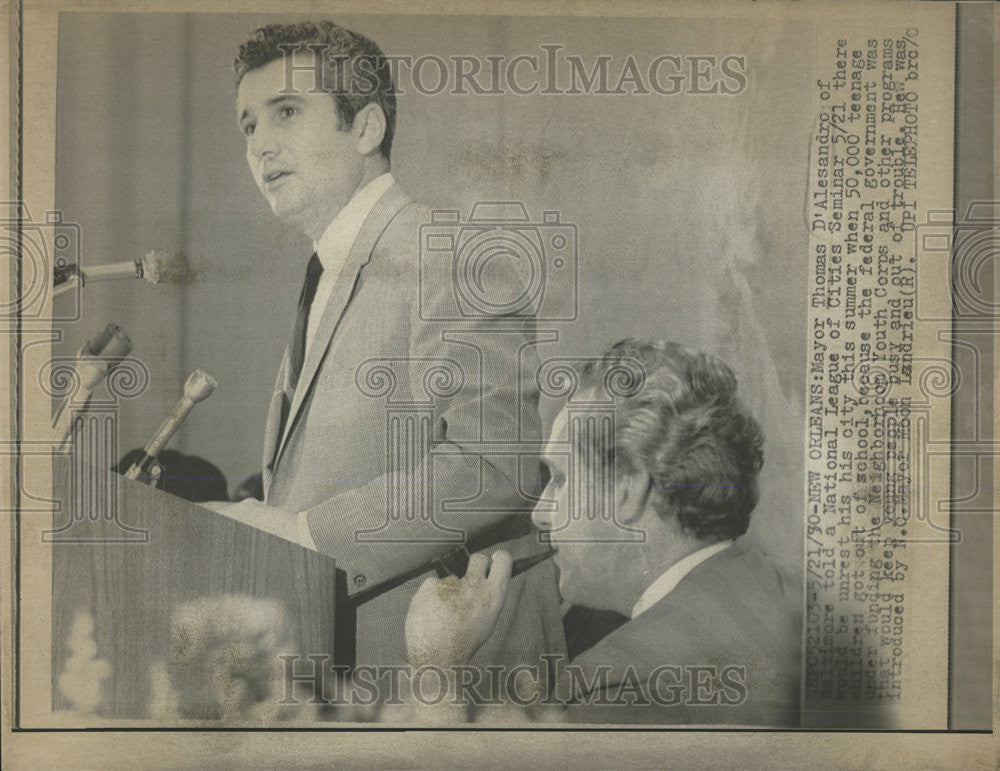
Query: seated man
{"x":644,"y":512}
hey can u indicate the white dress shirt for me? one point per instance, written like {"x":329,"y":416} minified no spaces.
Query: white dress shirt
{"x":334,"y":246}
{"x":333,"y":249}
{"x":666,"y":583}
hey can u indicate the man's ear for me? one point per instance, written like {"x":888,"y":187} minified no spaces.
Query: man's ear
{"x":369,"y":128}
{"x":631,"y":494}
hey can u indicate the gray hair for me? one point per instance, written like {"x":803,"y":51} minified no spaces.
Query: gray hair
{"x":683,"y":425}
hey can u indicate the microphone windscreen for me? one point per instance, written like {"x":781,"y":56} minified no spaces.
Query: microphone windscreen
{"x":199,"y":386}
{"x":161,"y":268}
{"x":111,"y":343}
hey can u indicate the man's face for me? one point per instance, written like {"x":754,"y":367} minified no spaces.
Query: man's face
{"x":576,"y":509}
{"x":306,"y":167}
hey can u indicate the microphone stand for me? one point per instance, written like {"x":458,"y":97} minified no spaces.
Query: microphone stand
{"x":199,"y":386}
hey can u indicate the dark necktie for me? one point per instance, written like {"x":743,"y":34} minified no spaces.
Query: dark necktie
{"x":297,"y":351}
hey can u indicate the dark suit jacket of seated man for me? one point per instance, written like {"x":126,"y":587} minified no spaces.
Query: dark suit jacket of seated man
{"x":390,"y":392}
{"x":714,"y":630}
{"x":721,"y":648}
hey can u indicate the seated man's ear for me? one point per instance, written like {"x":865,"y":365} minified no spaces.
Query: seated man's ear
{"x":631,"y":493}
{"x":369,"y":127}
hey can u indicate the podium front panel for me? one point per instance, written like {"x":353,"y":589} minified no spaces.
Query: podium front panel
{"x":158,"y":601}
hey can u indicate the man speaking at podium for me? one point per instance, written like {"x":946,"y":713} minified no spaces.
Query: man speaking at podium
{"x":387,"y":395}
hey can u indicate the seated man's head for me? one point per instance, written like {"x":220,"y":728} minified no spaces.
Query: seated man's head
{"x":317,"y":105}
{"x":646,"y":469}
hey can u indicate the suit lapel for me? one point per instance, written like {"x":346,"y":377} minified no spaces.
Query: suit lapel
{"x":274,"y":424}
{"x":378,"y":219}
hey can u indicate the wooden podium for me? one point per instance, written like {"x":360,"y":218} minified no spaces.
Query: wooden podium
{"x":129,"y":555}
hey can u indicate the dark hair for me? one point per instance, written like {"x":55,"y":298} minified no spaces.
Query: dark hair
{"x":681,"y":423}
{"x":354,"y":70}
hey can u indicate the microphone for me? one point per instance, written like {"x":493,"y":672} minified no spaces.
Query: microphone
{"x":157,"y":267}
{"x":96,"y":359}
{"x":199,"y":386}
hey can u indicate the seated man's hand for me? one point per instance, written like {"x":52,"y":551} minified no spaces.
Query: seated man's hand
{"x":450,"y":618}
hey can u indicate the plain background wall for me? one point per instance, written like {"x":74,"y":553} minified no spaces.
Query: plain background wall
{"x":690,"y":208}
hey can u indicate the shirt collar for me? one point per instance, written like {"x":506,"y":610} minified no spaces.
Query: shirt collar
{"x":338,"y":238}
{"x":666,"y":583}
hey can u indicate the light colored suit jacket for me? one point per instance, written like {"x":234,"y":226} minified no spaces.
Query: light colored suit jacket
{"x":735,"y":610}
{"x":397,"y":366}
